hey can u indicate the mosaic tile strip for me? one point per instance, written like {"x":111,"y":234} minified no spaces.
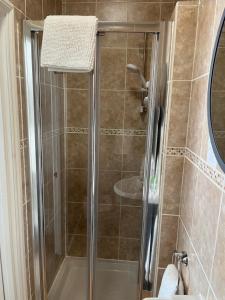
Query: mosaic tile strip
{"x":110,"y":131}
{"x":76,"y":130}
{"x":217,"y":177}
{"x":175,"y":151}
{"x":129,"y":132}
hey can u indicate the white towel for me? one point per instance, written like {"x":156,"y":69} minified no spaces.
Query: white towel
{"x":69,"y":43}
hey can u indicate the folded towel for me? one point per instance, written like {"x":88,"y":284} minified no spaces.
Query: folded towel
{"x":69,"y":43}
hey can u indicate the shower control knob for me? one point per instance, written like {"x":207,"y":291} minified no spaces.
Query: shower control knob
{"x":141,"y":109}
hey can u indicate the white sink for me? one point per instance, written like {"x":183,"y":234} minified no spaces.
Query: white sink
{"x":131,"y":188}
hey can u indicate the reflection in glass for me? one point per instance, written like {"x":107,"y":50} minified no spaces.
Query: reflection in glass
{"x":218,"y":97}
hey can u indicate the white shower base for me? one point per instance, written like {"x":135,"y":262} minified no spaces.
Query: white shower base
{"x":115,"y":280}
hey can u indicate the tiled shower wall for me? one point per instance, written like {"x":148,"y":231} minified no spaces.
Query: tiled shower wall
{"x":122,"y":142}
{"x":179,"y":86}
{"x":122,"y":132}
{"x":198,"y":180}
{"x":124,"y":11}
{"x":28,"y":9}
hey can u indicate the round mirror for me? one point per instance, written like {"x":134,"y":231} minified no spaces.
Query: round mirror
{"x":216,"y":98}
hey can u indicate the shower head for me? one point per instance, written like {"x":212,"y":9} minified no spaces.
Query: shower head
{"x":133,"y":68}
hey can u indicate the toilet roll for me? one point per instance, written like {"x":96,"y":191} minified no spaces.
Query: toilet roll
{"x":170,"y":282}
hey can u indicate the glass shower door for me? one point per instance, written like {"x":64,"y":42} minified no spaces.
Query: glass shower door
{"x":124,"y":71}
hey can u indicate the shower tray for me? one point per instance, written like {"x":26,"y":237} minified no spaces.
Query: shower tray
{"x":115,"y":280}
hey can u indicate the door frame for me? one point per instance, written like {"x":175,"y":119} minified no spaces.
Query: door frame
{"x":12,"y":240}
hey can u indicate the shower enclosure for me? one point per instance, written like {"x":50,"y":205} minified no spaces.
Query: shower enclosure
{"x":95,"y":144}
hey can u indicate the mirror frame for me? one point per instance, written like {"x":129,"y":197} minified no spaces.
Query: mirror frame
{"x":219,"y":159}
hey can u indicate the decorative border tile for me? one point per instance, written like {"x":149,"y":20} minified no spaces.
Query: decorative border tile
{"x":216,"y":176}
{"x":76,"y":130}
{"x":128,"y":132}
{"x":108,"y":131}
{"x":175,"y":151}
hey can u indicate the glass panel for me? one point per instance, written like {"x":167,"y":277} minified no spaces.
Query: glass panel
{"x":64,"y":136}
{"x":125,"y":68}
{"x":76,"y":168}
{"x":52,"y":125}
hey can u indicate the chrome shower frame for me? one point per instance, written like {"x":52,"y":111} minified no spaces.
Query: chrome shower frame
{"x":156,"y":96}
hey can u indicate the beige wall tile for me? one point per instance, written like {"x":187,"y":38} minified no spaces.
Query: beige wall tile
{"x":112,"y":11}
{"x":204,"y":37}
{"x":185,"y":42}
{"x":19,"y":4}
{"x":133,"y":146}
{"x":77,"y":147}
{"x":107,"y":248}
{"x":196,"y":114}
{"x":82,"y":9}
{"x":58,"y":7}
{"x":179,"y":110}
{"x":113,"y":59}
{"x":107,"y":180}
{"x":130,"y":223}
{"x":112,"y":109}
{"x":143,"y":12}
{"x":77,"y":245}
{"x":114,"y":40}
{"x":78,"y":81}
{"x":167,"y":11}
{"x":110,"y":152}
{"x":77,"y":108}
{"x":34,"y":9}
{"x":129,"y":249}
{"x":108,"y":220}
{"x":133,"y":118}
{"x":206,"y":211}
{"x":49,"y":8}
{"x":136,"y":40}
{"x":134,"y":56}
{"x":76,"y":185}
{"x":188,"y":194}
{"x":172,"y":188}
{"x":194,"y":278}
{"x":126,"y":186}
{"x":77,"y":218}
{"x":167,"y":245}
